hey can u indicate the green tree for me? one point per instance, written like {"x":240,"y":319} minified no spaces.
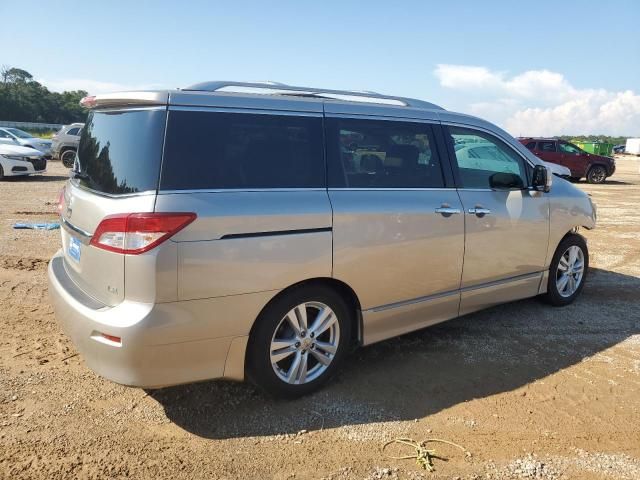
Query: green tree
{"x":22,"y":99}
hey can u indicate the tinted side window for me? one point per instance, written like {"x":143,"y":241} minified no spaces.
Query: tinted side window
{"x":382,"y":154}
{"x":213,"y":150}
{"x":480,"y":155}
{"x":4,"y":134}
{"x":547,"y":146}
{"x":531,"y":145}
{"x":73,"y":131}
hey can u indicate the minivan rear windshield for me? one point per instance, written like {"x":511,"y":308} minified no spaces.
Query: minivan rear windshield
{"x":120,"y":151}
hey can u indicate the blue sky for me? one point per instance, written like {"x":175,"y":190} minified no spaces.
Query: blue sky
{"x":545,"y":68}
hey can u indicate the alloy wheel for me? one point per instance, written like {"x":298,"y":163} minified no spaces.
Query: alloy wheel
{"x":305,"y":343}
{"x":570,"y":271}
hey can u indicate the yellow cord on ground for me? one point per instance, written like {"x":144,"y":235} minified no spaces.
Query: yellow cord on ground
{"x":423,"y":456}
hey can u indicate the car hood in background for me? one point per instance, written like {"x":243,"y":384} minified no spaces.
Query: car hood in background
{"x":18,"y":150}
{"x":558,"y":170}
{"x":36,"y":141}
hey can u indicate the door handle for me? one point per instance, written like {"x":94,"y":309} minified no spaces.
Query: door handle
{"x":479,"y":211}
{"x":447,"y":211}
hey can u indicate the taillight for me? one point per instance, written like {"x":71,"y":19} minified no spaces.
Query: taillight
{"x":134,"y":233}
{"x":61,"y":201}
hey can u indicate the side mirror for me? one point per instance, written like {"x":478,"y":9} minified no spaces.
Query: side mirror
{"x":506,"y":181}
{"x":541,"y":180}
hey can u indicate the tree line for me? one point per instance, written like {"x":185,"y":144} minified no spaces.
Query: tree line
{"x":22,"y":99}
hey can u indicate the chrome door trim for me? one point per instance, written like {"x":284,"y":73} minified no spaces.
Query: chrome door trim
{"x":111,"y":195}
{"x":413,"y":301}
{"x":455,"y":292}
{"x":503,"y":281}
{"x":84,"y":237}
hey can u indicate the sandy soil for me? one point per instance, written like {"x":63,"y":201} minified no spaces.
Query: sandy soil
{"x":531,"y":391}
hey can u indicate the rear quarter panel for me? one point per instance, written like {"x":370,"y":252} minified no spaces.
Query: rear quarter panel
{"x":245,"y":242}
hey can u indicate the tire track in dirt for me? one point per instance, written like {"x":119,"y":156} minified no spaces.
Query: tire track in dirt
{"x":28,"y":263}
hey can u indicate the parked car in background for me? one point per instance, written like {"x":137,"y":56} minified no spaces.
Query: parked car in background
{"x":65,"y":143}
{"x":487,"y":154}
{"x":16,"y":160}
{"x":558,"y":170}
{"x":15,"y":136}
{"x":212,"y":232}
{"x":619,"y":149}
{"x":596,"y":168}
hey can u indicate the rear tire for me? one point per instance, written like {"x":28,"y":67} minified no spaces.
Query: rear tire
{"x":1,"y":173}
{"x":299,"y":341}
{"x":597,"y":174}
{"x":568,"y":271}
{"x":68,"y":157}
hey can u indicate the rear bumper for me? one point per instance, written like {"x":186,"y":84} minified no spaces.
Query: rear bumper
{"x":158,"y":345}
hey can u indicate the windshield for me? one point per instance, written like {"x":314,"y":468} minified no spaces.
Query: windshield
{"x":18,"y":133}
{"x":120,"y":151}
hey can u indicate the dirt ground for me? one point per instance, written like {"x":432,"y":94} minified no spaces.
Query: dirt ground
{"x":530,"y":391}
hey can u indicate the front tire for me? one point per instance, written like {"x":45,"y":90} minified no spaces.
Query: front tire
{"x":299,"y":341}
{"x":597,"y":174}
{"x":568,"y":271}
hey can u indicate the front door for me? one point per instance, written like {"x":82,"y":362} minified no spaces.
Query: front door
{"x":573,"y":158}
{"x":398,"y":227}
{"x":506,"y":227}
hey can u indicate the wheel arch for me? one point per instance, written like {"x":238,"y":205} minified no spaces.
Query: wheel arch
{"x":237,"y":355}
{"x":344,"y":290}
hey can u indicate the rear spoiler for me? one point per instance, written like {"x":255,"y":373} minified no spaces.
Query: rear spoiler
{"x":121,"y":99}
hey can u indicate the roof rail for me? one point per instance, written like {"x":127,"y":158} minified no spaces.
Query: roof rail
{"x":274,"y":88}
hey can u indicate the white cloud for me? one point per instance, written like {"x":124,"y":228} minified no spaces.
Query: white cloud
{"x":93,"y":86}
{"x":541,"y":102}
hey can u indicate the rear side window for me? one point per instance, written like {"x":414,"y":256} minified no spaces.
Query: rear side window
{"x":382,"y":154}
{"x":73,"y":131}
{"x":214,"y":150}
{"x":120,"y":152}
{"x":531,"y":145}
{"x":547,"y":146}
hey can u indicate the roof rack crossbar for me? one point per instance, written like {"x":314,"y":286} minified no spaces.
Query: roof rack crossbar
{"x":274,"y":88}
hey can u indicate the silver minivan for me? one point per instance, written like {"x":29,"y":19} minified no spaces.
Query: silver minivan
{"x":261,"y":231}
